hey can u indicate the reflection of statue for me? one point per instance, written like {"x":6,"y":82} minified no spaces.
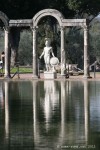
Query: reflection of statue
{"x":51,"y":100}
{"x":46,"y":52}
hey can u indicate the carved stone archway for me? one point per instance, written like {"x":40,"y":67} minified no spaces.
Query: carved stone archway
{"x":5,"y":20}
{"x":48,"y":12}
{"x":57,"y":15}
{"x":63,"y":23}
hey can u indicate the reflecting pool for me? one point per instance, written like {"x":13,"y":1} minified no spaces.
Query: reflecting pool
{"x":49,"y":115}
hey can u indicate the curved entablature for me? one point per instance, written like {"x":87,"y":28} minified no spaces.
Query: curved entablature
{"x":48,"y":12}
{"x":4,"y":19}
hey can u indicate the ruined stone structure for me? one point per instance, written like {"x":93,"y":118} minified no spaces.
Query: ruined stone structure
{"x":33,"y":24}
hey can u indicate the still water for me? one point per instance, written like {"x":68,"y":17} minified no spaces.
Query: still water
{"x":50,"y":115}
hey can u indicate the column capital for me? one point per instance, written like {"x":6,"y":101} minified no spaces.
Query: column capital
{"x":34,"y":28}
{"x":86,"y":28}
{"x":6,"y":29}
{"x":62,"y":28}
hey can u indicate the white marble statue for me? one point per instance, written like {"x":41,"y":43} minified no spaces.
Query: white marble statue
{"x":46,"y":52}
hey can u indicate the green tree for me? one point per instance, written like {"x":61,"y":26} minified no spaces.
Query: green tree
{"x":25,"y":48}
{"x":83,"y":7}
{"x":74,"y":46}
{"x":1,"y":41}
{"x":95,"y":39}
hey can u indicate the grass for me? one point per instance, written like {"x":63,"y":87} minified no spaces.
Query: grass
{"x":21,"y":70}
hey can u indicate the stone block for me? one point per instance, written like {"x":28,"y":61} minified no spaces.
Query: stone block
{"x":50,"y":75}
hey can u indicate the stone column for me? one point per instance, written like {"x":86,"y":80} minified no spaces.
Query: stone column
{"x":35,"y":62}
{"x":86,"y":55}
{"x":63,"y":54}
{"x":7,"y":59}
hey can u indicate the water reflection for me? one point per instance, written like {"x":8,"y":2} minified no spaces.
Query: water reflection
{"x":6,"y":110}
{"x":86,"y":110}
{"x":47,"y":114}
{"x":51,"y":100}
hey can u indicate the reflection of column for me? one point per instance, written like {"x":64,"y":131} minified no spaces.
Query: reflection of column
{"x":63,"y":107}
{"x":86,"y":110}
{"x":35,"y":64}
{"x":63,"y":56}
{"x":7,"y":67}
{"x":86,"y":55}
{"x":6,"y":110}
{"x":35,"y":113}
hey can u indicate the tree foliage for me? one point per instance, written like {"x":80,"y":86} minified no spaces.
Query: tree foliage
{"x":95,"y":39}
{"x":74,"y":46}
{"x":25,"y":48}
{"x":1,"y":41}
{"x":20,"y":9}
{"x":82,"y":7}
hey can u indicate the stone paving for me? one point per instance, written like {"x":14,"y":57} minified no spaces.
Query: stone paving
{"x":75,"y":77}
{"x":28,"y":76}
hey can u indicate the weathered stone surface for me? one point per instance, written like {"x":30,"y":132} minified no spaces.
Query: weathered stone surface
{"x":20,"y":23}
{"x":74,"y":22}
{"x":54,"y":61}
{"x":50,"y":75}
{"x":48,"y":12}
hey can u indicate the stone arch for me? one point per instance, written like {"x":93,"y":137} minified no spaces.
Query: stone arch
{"x":48,"y":12}
{"x":4,"y":19}
{"x":63,"y":23}
{"x":57,"y":15}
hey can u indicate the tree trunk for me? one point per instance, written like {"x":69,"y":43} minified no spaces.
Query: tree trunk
{"x":14,"y":44}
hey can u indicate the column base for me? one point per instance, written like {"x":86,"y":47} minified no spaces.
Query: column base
{"x":7,"y":76}
{"x":64,"y":76}
{"x":50,"y":75}
{"x":35,"y":77}
{"x":87,"y":77}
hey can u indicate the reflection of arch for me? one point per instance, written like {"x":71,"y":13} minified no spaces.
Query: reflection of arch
{"x":48,"y":12}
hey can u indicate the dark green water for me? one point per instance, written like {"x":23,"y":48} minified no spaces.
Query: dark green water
{"x":50,"y":115}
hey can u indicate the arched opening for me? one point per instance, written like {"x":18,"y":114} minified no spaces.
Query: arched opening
{"x":48,"y":12}
{"x":48,"y":27}
{"x":59,"y":17}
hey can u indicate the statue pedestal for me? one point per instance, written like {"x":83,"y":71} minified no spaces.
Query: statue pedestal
{"x":50,"y":75}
